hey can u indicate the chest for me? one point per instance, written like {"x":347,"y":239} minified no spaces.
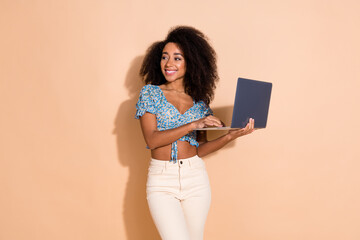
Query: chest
{"x":181,"y":102}
{"x":168,"y":116}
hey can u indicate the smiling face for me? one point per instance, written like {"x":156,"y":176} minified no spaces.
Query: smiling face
{"x":172,"y":63}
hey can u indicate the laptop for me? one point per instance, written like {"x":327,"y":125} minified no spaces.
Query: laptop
{"x":252,"y":100}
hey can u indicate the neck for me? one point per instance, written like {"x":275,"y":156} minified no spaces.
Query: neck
{"x":177,"y":86}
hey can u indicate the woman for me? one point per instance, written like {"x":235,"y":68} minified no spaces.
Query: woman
{"x":180,"y":73}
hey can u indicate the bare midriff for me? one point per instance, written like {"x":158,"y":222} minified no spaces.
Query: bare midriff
{"x":185,"y":150}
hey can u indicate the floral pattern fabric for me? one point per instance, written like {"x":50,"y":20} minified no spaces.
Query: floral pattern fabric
{"x":152,"y":100}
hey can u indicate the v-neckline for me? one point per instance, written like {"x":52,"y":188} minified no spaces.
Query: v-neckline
{"x":163,"y":94}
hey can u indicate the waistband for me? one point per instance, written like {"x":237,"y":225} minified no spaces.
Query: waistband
{"x":191,"y":161}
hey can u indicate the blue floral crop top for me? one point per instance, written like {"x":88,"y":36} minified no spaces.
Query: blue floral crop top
{"x":152,"y":100}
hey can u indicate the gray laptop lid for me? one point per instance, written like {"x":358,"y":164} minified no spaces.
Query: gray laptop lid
{"x":252,"y":100}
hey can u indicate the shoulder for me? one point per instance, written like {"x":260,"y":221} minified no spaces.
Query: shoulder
{"x":149,"y":89}
{"x":151,"y":93}
{"x":204,"y":108}
{"x":202,"y":104}
{"x":148,"y":100}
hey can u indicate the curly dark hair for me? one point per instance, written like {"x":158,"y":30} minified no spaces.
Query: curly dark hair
{"x":201,"y":70}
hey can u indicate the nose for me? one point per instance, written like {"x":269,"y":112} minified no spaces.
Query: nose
{"x":169,"y":63}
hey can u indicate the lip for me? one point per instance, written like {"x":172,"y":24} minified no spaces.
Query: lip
{"x":170,"y":72}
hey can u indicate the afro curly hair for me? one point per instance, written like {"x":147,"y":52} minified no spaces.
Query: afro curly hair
{"x":201,"y":70}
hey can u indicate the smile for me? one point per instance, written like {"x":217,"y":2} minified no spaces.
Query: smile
{"x":169,"y":72}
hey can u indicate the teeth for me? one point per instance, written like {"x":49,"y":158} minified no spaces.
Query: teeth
{"x":168,"y":71}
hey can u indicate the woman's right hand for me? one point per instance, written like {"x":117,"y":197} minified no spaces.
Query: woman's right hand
{"x":209,"y":121}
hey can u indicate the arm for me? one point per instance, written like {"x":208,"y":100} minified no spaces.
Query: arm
{"x":155,"y":138}
{"x":206,"y":147}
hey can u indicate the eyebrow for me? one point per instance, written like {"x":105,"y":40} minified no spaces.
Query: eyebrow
{"x":174,"y":53}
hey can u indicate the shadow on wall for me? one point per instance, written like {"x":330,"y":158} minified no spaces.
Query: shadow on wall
{"x":132,"y":153}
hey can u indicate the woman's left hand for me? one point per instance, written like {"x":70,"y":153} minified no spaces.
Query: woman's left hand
{"x":249,"y":128}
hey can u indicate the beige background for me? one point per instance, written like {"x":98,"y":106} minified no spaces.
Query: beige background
{"x":73,"y":161}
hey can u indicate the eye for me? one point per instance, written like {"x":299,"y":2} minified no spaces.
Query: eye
{"x":164,"y":57}
{"x":178,"y":59}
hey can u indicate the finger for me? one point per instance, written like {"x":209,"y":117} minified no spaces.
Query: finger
{"x":251,"y":123}
{"x":214,"y":119}
{"x":236,"y":132}
{"x":212,"y":122}
{"x":247,"y":126}
{"x":222,"y":123}
{"x":216,"y":122}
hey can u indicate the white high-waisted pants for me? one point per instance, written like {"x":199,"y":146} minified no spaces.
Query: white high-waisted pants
{"x":179,"y":197}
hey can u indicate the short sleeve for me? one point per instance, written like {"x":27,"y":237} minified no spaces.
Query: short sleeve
{"x":145,"y":103}
{"x":205,"y":109}
{"x":208,"y":111}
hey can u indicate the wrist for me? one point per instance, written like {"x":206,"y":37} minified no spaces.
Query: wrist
{"x":192,"y":126}
{"x":229,"y":137}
